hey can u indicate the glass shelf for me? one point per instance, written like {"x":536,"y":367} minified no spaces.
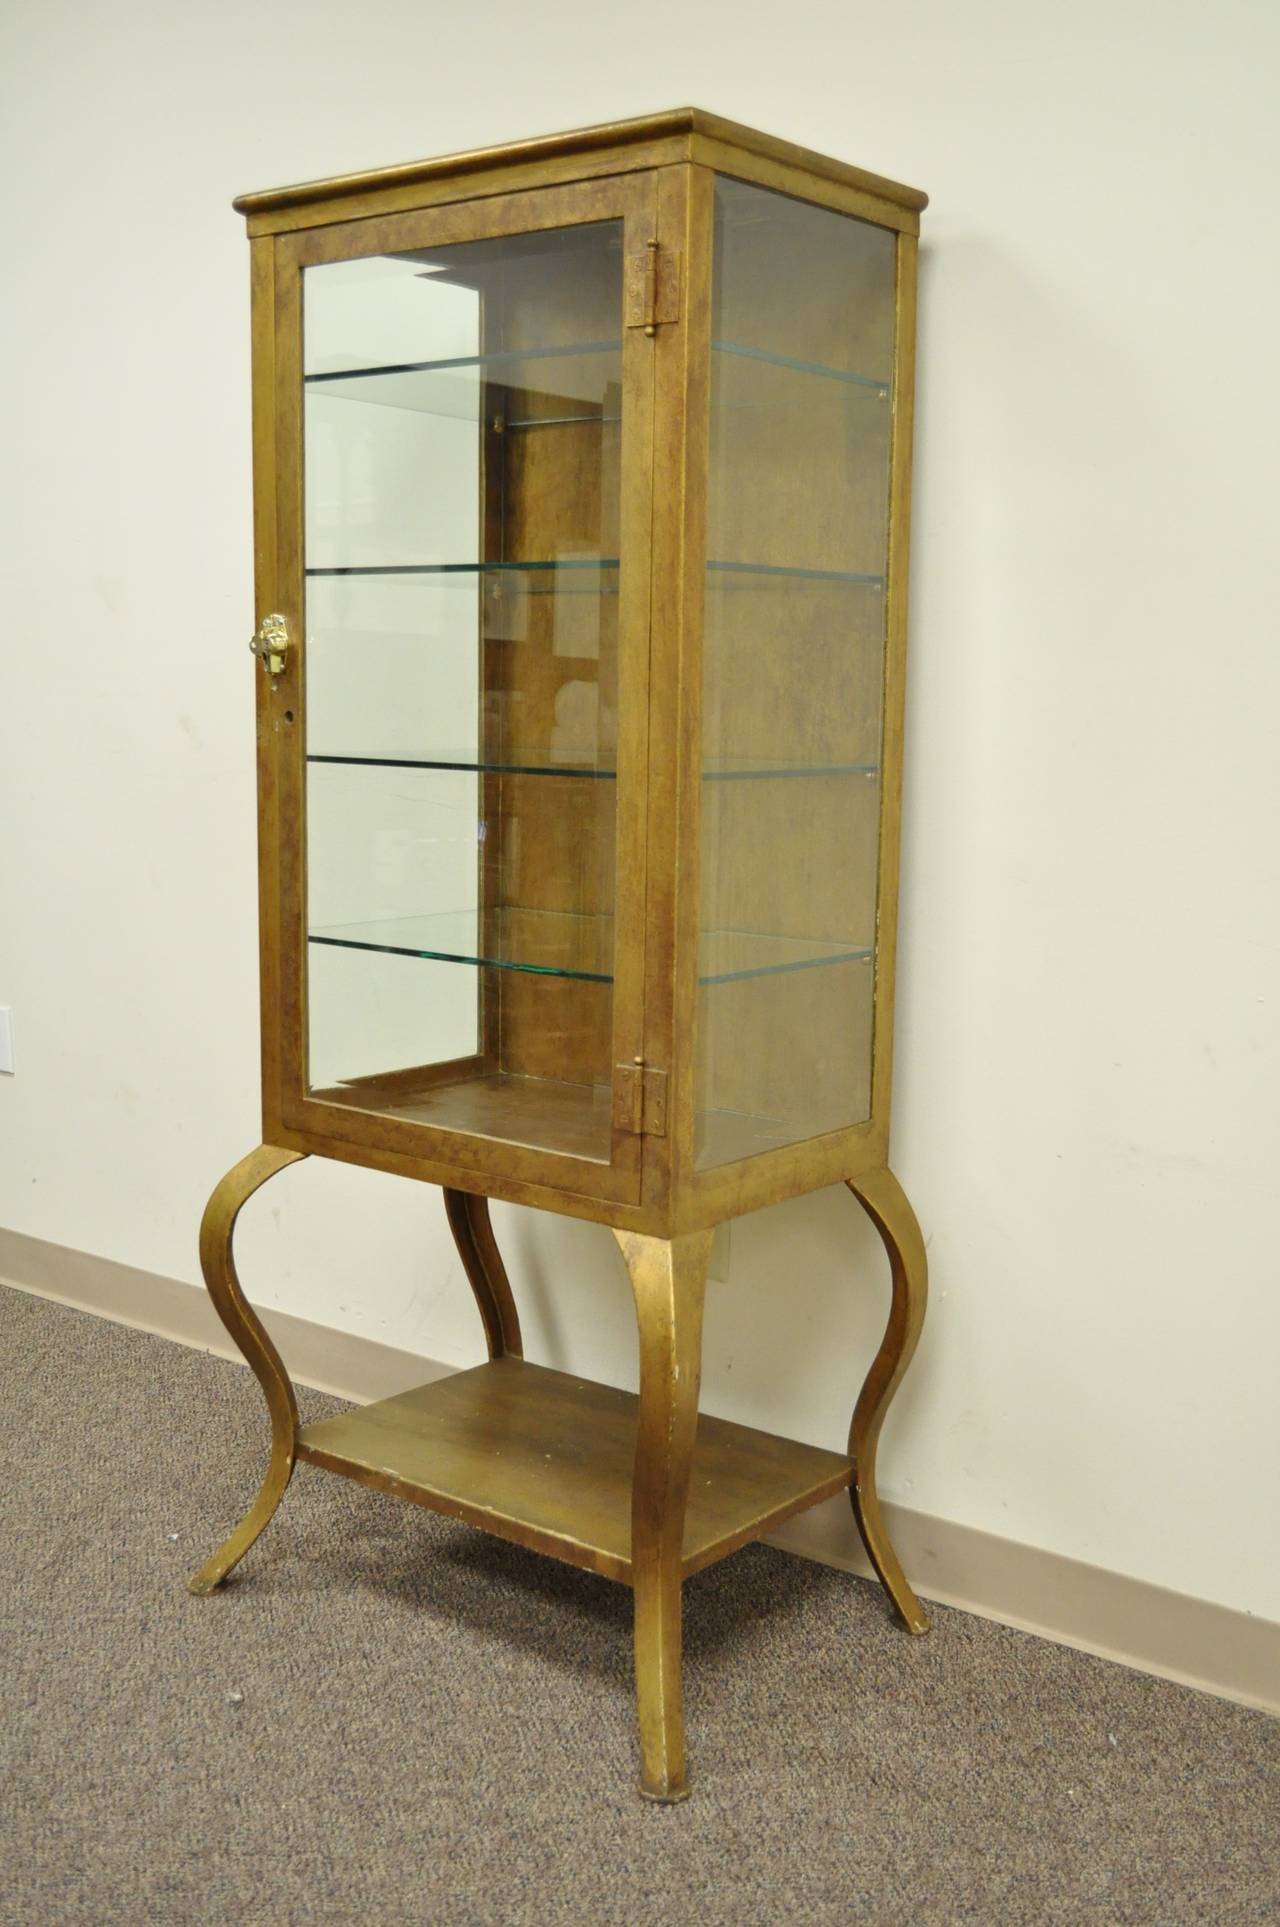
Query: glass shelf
{"x":450,"y":386}
{"x":551,"y":943}
{"x":729,"y":956}
{"x":576,"y":373}
{"x":819,"y":369}
{"x":556,"y":421}
{"x":741,"y":576}
{"x":742,"y":769}
{"x":760,"y":574}
{"x":597,"y":565}
{"x":514,"y":762}
{"x":545,"y":943}
{"x":520,"y":762}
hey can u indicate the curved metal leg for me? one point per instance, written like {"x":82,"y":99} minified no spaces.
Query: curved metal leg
{"x":241,"y":1321}
{"x":468,"y":1216}
{"x":887,"y":1205}
{"x":668,"y":1280}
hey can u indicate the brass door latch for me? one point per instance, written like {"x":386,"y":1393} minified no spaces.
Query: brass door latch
{"x":271,"y":645}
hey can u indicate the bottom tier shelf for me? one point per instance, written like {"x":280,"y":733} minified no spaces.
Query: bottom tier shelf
{"x":573,"y":1119}
{"x":551,"y":1115}
{"x":545,"y":1459}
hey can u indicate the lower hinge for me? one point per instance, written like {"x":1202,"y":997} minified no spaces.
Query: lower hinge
{"x":640,"y":1100}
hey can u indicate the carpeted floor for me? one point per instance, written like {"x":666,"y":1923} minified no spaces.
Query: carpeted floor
{"x":386,"y":1718}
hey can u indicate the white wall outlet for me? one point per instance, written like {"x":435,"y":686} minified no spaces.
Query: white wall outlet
{"x":6,"y":1039}
{"x":718,"y":1262}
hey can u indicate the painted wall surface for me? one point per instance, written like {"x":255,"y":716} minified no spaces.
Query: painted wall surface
{"x":1087,"y":1046}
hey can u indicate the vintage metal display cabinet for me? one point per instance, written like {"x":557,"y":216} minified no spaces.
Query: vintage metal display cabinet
{"x":581,"y":481}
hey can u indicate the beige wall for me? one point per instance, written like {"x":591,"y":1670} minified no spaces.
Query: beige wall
{"x":1087,"y":1060}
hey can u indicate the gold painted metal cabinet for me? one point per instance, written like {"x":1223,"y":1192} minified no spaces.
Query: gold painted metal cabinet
{"x":581,"y":490}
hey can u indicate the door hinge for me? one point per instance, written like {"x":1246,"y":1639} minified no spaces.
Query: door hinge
{"x":640,"y":1100}
{"x":653,"y":287}
{"x":655,"y":1103}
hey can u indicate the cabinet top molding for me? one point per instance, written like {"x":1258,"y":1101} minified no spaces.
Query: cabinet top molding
{"x":678,"y":134}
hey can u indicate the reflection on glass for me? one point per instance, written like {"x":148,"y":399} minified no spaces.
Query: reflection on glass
{"x":462,"y":436}
{"x":801,"y":406}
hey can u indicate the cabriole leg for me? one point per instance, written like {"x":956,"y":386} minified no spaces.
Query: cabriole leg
{"x":472,"y":1230}
{"x":668,"y":1279}
{"x":245,"y":1328}
{"x":887,"y":1206}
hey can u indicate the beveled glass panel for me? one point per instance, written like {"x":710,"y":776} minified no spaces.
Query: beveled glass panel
{"x":463,"y":419}
{"x":794,"y":635}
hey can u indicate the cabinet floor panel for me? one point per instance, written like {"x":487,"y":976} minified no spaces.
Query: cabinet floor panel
{"x":544,"y":1112}
{"x":545,"y":1459}
{"x":723,"y":1137}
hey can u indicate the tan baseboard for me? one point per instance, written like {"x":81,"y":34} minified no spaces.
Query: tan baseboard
{"x":1169,"y":1634}
{"x":1173,"y":1635}
{"x":359,"y":1369}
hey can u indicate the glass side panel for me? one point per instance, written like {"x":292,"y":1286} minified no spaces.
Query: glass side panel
{"x":463,"y":416}
{"x":797,"y":530}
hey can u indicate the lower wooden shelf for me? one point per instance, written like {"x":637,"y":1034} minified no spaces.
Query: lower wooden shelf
{"x":545,"y":1459}
{"x":553,"y":1114}
{"x":549,"y":1113}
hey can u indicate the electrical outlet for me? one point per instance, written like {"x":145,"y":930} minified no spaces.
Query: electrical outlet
{"x":6,"y":1039}
{"x":718,"y":1262}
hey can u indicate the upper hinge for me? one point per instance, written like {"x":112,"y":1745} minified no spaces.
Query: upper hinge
{"x":653,"y":287}
{"x":640,"y":1100}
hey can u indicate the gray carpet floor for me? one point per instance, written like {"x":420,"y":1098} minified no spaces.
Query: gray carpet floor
{"x":388,"y":1718}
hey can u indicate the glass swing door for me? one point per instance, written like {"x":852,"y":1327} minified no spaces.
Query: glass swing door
{"x":472,"y":449}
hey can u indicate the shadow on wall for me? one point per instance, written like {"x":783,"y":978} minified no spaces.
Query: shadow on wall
{"x":789,"y":1334}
